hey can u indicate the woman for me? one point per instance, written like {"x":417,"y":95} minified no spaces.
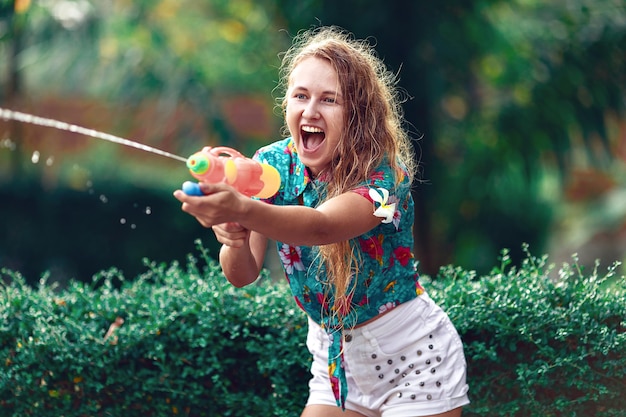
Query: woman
{"x":343,"y":221}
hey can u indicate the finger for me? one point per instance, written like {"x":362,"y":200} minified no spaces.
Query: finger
{"x":235,"y":241}
{"x":180,"y":195}
{"x":183,"y":197}
{"x":232,"y":227}
{"x":230,"y":235}
{"x":213,"y":188}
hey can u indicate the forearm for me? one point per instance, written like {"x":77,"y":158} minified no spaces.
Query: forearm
{"x":341,"y":219}
{"x":295,"y":225}
{"x":241,"y":266}
{"x":338,"y":219}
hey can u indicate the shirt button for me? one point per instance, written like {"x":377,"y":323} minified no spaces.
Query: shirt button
{"x":348,"y":338}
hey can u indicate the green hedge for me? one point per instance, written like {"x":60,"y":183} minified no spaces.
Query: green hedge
{"x":192,"y":345}
{"x":540,"y":342}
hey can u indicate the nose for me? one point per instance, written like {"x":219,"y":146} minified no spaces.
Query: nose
{"x":310,"y":110}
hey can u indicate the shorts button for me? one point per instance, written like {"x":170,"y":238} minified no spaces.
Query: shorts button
{"x":348,"y":338}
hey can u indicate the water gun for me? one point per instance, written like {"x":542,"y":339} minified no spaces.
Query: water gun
{"x":223,"y":164}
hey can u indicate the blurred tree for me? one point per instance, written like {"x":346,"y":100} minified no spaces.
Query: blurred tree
{"x":147,"y":70}
{"x":166,"y":51}
{"x":547,"y":77}
{"x":503,"y":91}
{"x":11,"y":28}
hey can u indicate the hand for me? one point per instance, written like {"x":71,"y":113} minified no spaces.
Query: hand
{"x":231,"y":234}
{"x":219,"y":204}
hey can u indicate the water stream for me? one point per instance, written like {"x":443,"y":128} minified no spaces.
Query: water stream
{"x":45,"y":122}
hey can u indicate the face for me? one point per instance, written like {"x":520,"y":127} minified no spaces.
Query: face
{"x":315,"y":112}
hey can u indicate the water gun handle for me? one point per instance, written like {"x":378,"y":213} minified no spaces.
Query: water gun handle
{"x":223,"y":164}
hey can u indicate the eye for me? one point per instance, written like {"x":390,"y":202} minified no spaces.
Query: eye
{"x":330,"y":100}
{"x":299,"y":96}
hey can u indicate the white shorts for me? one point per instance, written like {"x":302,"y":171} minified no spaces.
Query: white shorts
{"x":407,"y":363}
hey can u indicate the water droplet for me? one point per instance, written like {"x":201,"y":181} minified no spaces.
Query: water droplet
{"x":50,"y":161}
{"x":104,"y":198}
{"x":148,"y":210}
{"x":8,"y":143}
{"x":35,"y":157}
{"x":123,"y":220}
{"x":133,"y":226}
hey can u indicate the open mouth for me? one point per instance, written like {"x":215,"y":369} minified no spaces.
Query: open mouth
{"x":312,"y":137}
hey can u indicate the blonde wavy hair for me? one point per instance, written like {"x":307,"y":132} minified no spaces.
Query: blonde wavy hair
{"x":374,"y":132}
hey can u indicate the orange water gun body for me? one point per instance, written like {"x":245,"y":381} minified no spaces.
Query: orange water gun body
{"x":223,"y":164}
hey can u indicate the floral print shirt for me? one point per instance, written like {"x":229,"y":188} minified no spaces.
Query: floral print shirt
{"x":388,"y":271}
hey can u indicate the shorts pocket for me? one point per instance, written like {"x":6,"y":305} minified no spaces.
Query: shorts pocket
{"x":396,"y":331}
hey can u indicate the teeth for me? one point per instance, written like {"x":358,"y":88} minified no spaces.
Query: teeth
{"x":311,"y":129}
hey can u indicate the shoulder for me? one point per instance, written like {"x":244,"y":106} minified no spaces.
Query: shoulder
{"x":394,"y":181}
{"x":389,"y":190}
